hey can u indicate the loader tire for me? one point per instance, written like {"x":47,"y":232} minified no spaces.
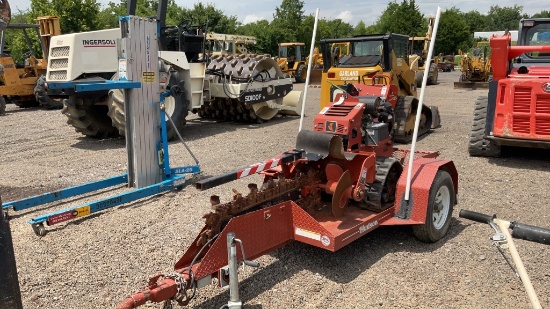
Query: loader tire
{"x":418,"y":78}
{"x":176,"y":107}
{"x":88,"y":118}
{"x":439,"y":211}
{"x":433,"y":79}
{"x":42,"y":96}
{"x":2,"y":105}
{"x":301,"y":74}
{"x":479,"y":146}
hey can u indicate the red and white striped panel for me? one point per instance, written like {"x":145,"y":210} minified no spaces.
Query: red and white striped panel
{"x":258,"y":167}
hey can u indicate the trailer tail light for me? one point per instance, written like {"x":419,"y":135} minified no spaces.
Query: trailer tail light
{"x":331,"y":75}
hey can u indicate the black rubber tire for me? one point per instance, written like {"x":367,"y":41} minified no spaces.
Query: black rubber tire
{"x":88,"y":118}
{"x":181,"y":110}
{"x":479,"y":146}
{"x":433,"y":80}
{"x":42,"y":96}
{"x":26,"y":103}
{"x":301,"y":74}
{"x":2,"y":105}
{"x":428,"y":232}
{"x":418,"y":78}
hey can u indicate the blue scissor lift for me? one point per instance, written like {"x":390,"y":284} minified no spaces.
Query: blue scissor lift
{"x":149,"y":168}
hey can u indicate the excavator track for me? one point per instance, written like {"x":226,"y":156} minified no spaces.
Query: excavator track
{"x":381,"y":194}
{"x":405,"y":117}
{"x":228,"y":70}
{"x":272,"y":192}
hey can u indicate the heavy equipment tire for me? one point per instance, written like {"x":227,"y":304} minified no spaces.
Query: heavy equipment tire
{"x":42,"y":96}
{"x":177,"y":108}
{"x":2,"y":105}
{"x":439,"y":210}
{"x":418,"y":78}
{"x":301,"y":74}
{"x":25,"y":103}
{"x":433,"y":80}
{"x":88,"y":118}
{"x":479,"y":146}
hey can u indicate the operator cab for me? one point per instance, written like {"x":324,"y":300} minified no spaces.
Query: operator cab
{"x":366,"y":51}
{"x":534,"y":32}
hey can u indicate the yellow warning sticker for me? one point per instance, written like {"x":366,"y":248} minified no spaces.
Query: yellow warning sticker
{"x":148,"y":77}
{"x":81,"y":211}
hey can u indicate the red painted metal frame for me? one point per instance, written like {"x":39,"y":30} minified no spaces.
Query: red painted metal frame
{"x":265,"y":230}
{"x":522,"y":107}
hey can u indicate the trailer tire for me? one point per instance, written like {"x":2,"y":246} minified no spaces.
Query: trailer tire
{"x":42,"y":96}
{"x":2,"y":105}
{"x":88,"y":118}
{"x":176,"y":107}
{"x":479,"y":146}
{"x":301,"y":74}
{"x":439,"y":211}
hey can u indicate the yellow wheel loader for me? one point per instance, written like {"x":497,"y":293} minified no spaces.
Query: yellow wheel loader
{"x":24,"y":83}
{"x":378,"y":59}
{"x":292,"y":60}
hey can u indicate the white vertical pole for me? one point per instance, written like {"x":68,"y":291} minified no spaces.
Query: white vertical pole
{"x":309,"y":65}
{"x":420,"y":102}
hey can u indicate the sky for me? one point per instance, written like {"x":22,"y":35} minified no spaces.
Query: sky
{"x":351,"y":12}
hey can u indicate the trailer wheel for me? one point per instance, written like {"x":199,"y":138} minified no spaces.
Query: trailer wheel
{"x":440,"y":209}
{"x":479,"y":146}
{"x":42,"y":96}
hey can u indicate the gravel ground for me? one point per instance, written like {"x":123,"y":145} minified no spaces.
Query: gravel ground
{"x":99,"y":260}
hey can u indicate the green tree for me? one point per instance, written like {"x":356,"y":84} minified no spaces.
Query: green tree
{"x":476,"y":21}
{"x":109,"y":15}
{"x":404,"y":18}
{"x":262,"y":31}
{"x":74,"y":15}
{"x":217,"y":21}
{"x":504,"y":18}
{"x":360,"y":28}
{"x":453,"y":32}
{"x":542,"y":14}
{"x":287,"y":20}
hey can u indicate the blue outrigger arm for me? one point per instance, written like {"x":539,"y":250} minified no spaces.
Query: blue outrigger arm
{"x":173,"y":178}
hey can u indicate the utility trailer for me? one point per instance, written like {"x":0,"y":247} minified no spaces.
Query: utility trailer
{"x":341,"y":181}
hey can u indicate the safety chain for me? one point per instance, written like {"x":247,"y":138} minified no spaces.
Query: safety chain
{"x":181,"y":295}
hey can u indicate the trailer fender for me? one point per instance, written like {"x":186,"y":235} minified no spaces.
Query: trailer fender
{"x":414,"y":210}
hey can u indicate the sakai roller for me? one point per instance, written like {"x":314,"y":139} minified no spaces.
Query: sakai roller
{"x":247,"y":88}
{"x":342,"y":180}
